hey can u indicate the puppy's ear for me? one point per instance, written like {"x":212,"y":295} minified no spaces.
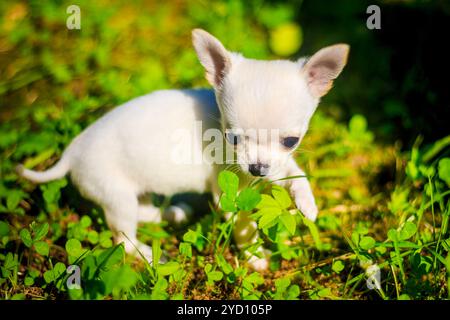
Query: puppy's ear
{"x":212,"y":55}
{"x":323,"y":67}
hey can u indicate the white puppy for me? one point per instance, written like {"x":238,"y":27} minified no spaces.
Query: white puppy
{"x":129,"y":152}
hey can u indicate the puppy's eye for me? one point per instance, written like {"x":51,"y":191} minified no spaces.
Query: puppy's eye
{"x":289,"y":142}
{"x":232,"y":138}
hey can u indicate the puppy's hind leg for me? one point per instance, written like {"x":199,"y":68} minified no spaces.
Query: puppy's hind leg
{"x":122,"y":211}
{"x":178,"y":214}
{"x":147,"y":212}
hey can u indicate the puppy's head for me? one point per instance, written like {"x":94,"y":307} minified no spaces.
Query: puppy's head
{"x":266,"y":105}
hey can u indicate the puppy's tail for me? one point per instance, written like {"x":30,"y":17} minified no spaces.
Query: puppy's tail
{"x":59,"y":170}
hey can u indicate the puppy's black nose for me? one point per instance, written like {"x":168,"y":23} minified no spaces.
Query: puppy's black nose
{"x":258,"y":169}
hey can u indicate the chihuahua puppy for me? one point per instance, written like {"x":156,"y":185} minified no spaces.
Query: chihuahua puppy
{"x":129,"y":152}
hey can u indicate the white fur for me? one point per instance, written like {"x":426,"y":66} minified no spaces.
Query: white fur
{"x":129,"y":151}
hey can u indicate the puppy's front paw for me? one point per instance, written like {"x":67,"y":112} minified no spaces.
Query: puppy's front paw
{"x":307,"y":206}
{"x":259,"y":264}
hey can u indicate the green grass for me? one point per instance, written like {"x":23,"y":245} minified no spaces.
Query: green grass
{"x":379,"y":204}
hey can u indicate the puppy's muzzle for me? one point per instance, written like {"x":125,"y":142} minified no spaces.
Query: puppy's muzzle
{"x":258,"y":169}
